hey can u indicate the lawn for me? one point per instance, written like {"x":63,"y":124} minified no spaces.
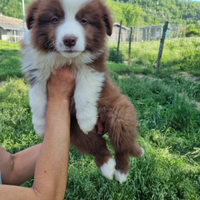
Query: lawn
{"x":10,"y":60}
{"x":181,"y":54}
{"x":169,"y":132}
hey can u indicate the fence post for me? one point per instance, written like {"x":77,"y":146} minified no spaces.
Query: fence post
{"x":150,"y":33}
{"x":177,"y":31}
{"x":161,"y":46}
{"x":119,"y":40}
{"x":184,"y":30}
{"x":170,"y":30}
{"x":129,"y":53}
{"x":146,"y":34}
{"x":134,"y":36}
{"x":23,"y":10}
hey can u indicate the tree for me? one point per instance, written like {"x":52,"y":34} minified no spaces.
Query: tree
{"x":132,"y":15}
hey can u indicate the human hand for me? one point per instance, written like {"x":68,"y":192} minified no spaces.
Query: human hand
{"x":61,"y":85}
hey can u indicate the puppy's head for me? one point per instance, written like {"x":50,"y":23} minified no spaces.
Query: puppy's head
{"x":69,"y":27}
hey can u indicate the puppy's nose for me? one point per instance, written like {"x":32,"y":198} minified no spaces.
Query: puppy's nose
{"x":69,"y":41}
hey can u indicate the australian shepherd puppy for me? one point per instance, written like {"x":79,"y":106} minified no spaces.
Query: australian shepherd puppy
{"x":74,"y":33}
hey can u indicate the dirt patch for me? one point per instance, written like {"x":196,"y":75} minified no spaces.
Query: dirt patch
{"x":191,"y":101}
{"x":140,"y":75}
{"x":198,"y":105}
{"x":1,"y":83}
{"x":188,"y":77}
{"x":126,"y":76}
{"x":194,"y":102}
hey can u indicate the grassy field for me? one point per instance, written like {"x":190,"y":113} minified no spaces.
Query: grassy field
{"x":168,"y":126}
{"x":10,"y":60}
{"x":181,"y":54}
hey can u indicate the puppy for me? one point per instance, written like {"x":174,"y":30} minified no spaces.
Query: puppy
{"x":74,"y":33}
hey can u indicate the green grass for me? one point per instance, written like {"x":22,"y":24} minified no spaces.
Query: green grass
{"x":169,"y":132}
{"x":10,"y":60}
{"x":175,"y":54}
{"x":165,"y":172}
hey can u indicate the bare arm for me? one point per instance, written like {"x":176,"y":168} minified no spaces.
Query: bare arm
{"x":17,"y":168}
{"x":51,"y":168}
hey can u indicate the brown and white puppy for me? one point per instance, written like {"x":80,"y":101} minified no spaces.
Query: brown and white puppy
{"x":66,"y":32}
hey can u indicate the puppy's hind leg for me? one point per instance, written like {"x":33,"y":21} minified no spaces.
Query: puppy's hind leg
{"x":95,"y":145}
{"x":122,"y":131}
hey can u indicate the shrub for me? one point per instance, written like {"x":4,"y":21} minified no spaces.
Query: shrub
{"x":192,"y":32}
{"x":113,"y":55}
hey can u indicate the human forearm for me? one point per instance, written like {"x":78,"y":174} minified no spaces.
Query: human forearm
{"x":51,"y":167}
{"x":6,"y":163}
{"x":52,"y":164}
{"x":18,"y":168}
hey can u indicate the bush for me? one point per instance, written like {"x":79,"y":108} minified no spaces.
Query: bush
{"x":192,"y":32}
{"x":191,"y":61}
{"x":113,"y":55}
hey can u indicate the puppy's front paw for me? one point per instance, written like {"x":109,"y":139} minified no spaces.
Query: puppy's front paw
{"x":39,"y":126}
{"x":40,"y":130}
{"x":86,"y":125}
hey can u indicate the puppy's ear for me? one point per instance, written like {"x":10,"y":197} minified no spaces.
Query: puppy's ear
{"x":108,"y":20}
{"x":30,"y":11}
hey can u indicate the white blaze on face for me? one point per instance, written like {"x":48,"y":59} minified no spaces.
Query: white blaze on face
{"x":71,"y":27}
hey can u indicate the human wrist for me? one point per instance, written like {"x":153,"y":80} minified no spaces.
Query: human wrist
{"x":58,"y":106}
{"x":64,"y":101}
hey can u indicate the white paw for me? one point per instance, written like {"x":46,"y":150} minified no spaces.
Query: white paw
{"x":108,"y":169}
{"x":40,"y":130}
{"x":142,"y":152}
{"x":86,"y":125}
{"x":121,"y":177}
{"x":39,"y":126}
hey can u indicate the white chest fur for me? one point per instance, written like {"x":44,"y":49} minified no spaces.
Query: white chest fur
{"x":89,"y":84}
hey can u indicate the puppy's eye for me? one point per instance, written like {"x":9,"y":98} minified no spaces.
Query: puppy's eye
{"x":55,"y":20}
{"x":83,"y":21}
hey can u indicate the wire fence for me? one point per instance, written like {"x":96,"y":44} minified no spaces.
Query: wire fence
{"x":12,"y":30}
{"x":147,"y":33}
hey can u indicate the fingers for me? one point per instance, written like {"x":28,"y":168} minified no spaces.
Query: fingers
{"x":61,"y":84}
{"x":65,"y":74}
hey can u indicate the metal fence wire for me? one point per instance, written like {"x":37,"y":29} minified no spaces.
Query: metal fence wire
{"x":147,"y":33}
{"x":12,"y":30}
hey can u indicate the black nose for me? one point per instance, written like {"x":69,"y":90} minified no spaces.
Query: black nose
{"x":69,"y":41}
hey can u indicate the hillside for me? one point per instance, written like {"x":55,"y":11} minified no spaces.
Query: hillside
{"x":133,"y":12}
{"x":173,"y":10}
{"x":12,"y":8}
{"x":155,"y":11}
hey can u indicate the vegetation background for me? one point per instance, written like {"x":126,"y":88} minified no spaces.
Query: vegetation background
{"x":168,"y":115}
{"x":167,"y":104}
{"x":136,"y":12}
